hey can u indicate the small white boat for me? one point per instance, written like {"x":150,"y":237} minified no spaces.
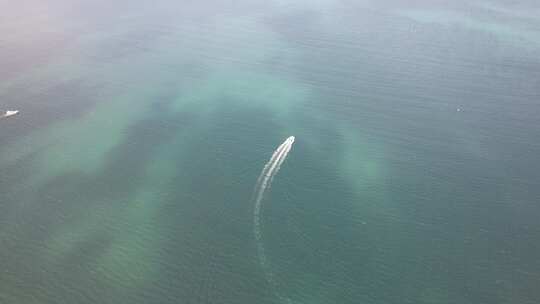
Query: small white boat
{"x":10,"y":113}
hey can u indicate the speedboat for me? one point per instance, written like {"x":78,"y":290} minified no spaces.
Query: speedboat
{"x":10,"y":113}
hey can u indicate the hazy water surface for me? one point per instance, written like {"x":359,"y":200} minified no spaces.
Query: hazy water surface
{"x":128,"y":175}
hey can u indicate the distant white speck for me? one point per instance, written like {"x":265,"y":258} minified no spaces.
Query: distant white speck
{"x":9,"y":113}
{"x":458,"y":110}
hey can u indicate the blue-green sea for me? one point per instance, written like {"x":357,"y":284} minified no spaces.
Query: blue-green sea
{"x":128,"y":175}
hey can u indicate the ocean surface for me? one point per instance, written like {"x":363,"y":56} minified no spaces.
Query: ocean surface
{"x":129,"y":174}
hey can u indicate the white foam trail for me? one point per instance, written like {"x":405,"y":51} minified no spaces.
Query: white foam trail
{"x":263,"y":184}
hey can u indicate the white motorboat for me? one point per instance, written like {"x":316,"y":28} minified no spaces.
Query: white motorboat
{"x":10,"y":113}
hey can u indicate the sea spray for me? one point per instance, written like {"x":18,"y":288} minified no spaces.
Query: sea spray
{"x":263,"y":184}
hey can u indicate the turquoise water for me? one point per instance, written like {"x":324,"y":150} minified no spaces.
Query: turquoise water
{"x":128,"y":176}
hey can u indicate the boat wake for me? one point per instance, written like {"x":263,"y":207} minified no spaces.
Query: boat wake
{"x":263,"y":184}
